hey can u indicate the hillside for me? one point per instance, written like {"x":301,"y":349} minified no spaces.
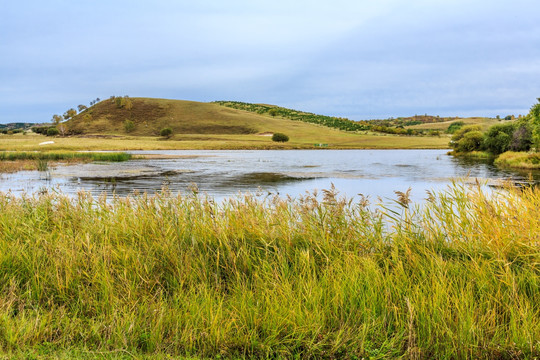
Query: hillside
{"x":122,"y":123}
{"x":149,"y":116}
{"x":484,"y":123}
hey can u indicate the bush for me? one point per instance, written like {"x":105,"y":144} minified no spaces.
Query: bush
{"x":471,"y":141}
{"x":166,"y":132}
{"x":279,"y":137}
{"x":455,"y":126}
{"x":459,"y":134}
{"x":129,"y":126}
{"x":52,"y":131}
{"x":497,"y":138}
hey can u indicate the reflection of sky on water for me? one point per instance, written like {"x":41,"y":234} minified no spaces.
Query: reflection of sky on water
{"x":373,"y":173}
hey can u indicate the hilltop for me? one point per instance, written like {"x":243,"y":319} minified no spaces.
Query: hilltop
{"x":148,"y":116}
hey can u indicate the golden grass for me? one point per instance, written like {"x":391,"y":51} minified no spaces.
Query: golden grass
{"x":167,"y":276}
{"x":484,"y":123}
{"x":519,"y":160}
{"x":300,"y":138}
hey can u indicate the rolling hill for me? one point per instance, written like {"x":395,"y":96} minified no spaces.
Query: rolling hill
{"x":148,"y":116}
{"x":135,"y":123}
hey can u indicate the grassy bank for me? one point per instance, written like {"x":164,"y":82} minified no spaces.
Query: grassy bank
{"x":473,"y":155}
{"x":12,"y":161}
{"x":518,"y":160}
{"x":173,"y":275}
{"x":59,"y":156}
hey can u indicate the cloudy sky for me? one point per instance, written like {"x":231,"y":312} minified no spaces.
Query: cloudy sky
{"x":359,"y":59}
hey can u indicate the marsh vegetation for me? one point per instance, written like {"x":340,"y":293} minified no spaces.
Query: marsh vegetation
{"x":248,"y":277}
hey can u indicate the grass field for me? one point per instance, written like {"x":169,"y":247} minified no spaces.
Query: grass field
{"x":309,"y":278}
{"x":300,"y":138}
{"x":484,"y":123}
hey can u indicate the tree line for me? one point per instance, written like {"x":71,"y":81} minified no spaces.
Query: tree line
{"x":521,"y":135}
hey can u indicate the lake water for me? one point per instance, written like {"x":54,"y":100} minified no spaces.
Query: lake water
{"x":374,"y":173}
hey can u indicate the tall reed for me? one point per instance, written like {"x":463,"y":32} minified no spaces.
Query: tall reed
{"x":67,"y":155}
{"x":249,"y":277}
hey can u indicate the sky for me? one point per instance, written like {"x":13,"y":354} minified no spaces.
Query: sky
{"x":358,"y":59}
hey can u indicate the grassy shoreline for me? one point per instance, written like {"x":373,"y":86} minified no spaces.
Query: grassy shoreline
{"x":184,"y":276}
{"x":519,"y":160}
{"x":13,"y":161}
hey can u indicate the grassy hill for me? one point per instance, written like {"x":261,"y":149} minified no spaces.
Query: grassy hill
{"x":149,"y":116}
{"x":197,"y":125}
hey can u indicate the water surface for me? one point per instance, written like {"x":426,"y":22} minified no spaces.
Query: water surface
{"x":374,"y":173}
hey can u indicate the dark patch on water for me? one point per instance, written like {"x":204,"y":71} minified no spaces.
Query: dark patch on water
{"x":265,"y":178}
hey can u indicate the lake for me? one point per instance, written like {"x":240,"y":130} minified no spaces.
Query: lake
{"x":373,"y":173}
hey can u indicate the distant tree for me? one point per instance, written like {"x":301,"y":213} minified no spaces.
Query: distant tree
{"x":129,"y":126}
{"x":272,"y":112}
{"x":508,"y":117}
{"x":166,"y":132}
{"x":521,"y":138}
{"x":62,"y":129}
{"x":82,"y":107}
{"x":57,"y":119}
{"x":279,"y":137}
{"x":128,"y":104}
{"x":52,"y":131}
{"x":70,"y":114}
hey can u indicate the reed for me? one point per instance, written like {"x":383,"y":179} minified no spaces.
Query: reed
{"x":67,"y":155}
{"x":311,"y":277}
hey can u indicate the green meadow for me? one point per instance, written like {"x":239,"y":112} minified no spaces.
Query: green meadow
{"x":315,"y":277}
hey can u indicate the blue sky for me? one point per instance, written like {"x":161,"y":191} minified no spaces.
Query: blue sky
{"x":353,"y":58}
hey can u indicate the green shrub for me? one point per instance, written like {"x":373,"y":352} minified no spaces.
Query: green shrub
{"x":52,"y":131}
{"x":129,"y":126}
{"x":279,"y":137}
{"x":166,"y":132}
{"x":471,"y":141}
{"x":455,"y":126}
{"x":459,"y":134}
{"x":497,"y":138}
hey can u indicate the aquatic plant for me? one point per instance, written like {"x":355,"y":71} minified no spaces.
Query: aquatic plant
{"x":67,"y":155}
{"x":272,"y":277}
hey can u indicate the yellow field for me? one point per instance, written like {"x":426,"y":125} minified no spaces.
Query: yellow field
{"x":302,"y":136}
{"x":484,"y":123}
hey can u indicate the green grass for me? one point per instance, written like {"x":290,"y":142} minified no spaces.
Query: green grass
{"x":59,"y":156}
{"x":309,"y":278}
{"x":484,"y":123}
{"x":519,"y":160}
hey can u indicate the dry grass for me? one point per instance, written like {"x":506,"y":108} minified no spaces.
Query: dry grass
{"x":309,"y":278}
{"x":301,"y":137}
{"x":484,"y":123}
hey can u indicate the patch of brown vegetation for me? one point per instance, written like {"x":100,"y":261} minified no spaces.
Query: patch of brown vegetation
{"x":17,"y":165}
